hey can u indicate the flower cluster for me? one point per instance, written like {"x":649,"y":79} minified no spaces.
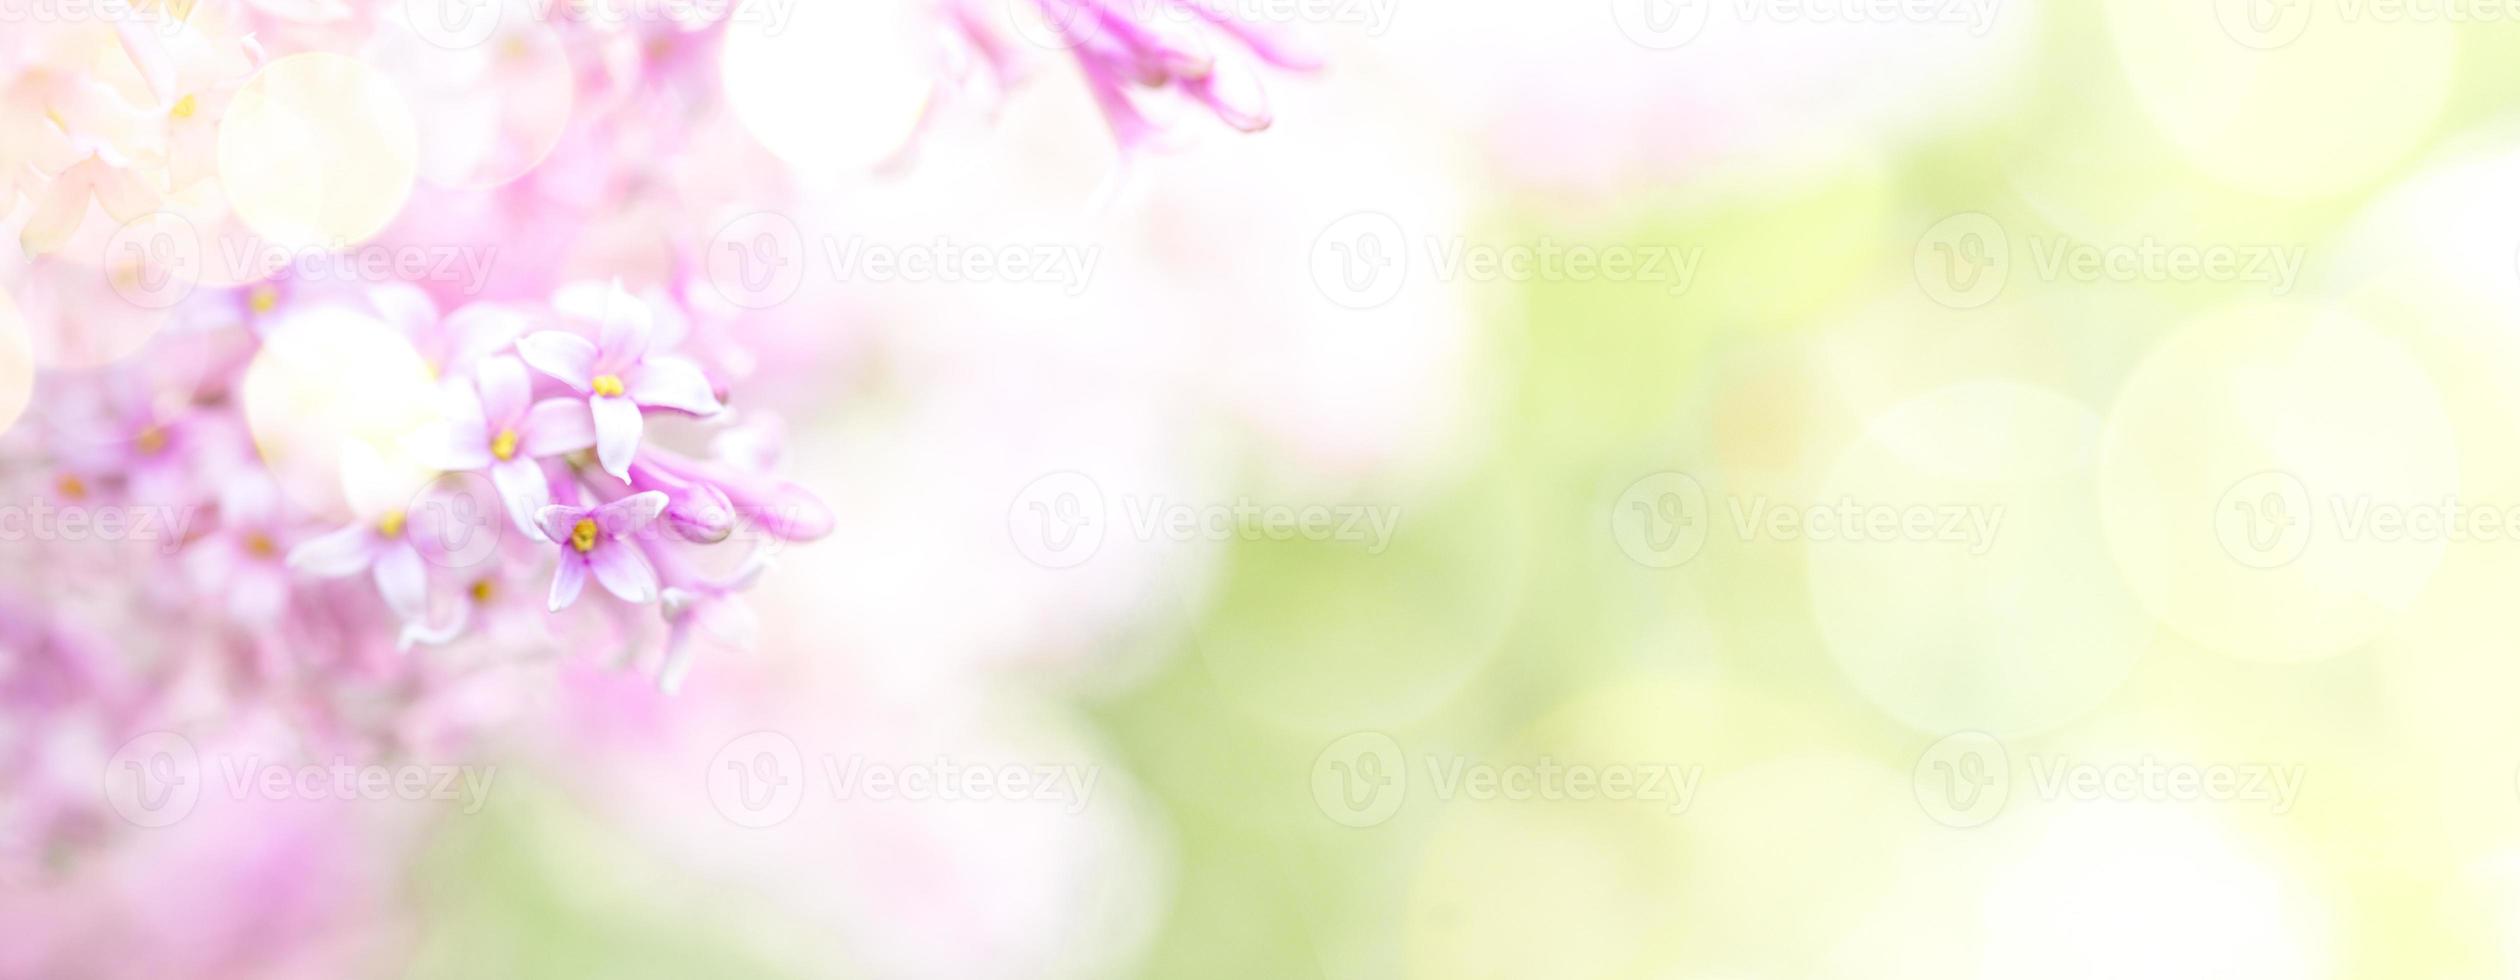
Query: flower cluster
{"x":550,"y":459}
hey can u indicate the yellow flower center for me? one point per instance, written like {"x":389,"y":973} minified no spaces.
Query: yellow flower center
{"x":150,"y":441}
{"x":481,"y":590}
{"x":390,"y":525}
{"x":259,"y":545}
{"x":263,"y":298}
{"x":184,"y":108}
{"x":71,"y":486}
{"x":504,"y":445}
{"x":608,"y":385}
{"x":582,"y":537}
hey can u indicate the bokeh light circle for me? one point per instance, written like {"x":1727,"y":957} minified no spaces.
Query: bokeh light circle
{"x":2331,"y":108}
{"x":837,"y":89}
{"x":487,"y":112}
{"x":1991,"y":605}
{"x":318,"y":150}
{"x":2202,"y":454}
{"x":334,"y":400}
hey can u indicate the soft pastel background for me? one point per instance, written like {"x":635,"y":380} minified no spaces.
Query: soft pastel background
{"x":1870,"y":210}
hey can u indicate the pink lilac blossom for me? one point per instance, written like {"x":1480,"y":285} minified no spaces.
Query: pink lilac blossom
{"x":587,"y":422}
{"x":1131,"y":52}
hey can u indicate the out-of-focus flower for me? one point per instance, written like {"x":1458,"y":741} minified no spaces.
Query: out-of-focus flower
{"x":1133,"y":50}
{"x":602,"y":540}
{"x":498,"y":427}
{"x":619,"y":374}
{"x":379,"y":544}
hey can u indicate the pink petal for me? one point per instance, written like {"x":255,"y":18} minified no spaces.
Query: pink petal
{"x":567,"y":581}
{"x":1235,"y":91}
{"x":524,"y":490}
{"x":624,"y":572}
{"x":617,"y":428}
{"x":483,"y":328}
{"x":557,"y":520}
{"x":123,"y":195}
{"x":622,"y":321}
{"x":402,"y":579}
{"x":148,"y":52}
{"x":57,"y":214}
{"x":555,"y":426}
{"x":628,"y":515}
{"x":421,"y":632}
{"x":675,"y":383}
{"x":505,"y":390}
{"x":257,"y":596}
{"x":567,"y":358}
{"x":340,"y":553}
{"x":405,"y":307}
{"x":627,"y":323}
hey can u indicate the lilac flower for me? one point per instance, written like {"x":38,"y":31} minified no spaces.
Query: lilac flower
{"x":1129,"y":49}
{"x":496,"y":426}
{"x":600,"y":539}
{"x":380,"y":546}
{"x":618,"y":373}
{"x":691,"y":601}
{"x":243,"y":560}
